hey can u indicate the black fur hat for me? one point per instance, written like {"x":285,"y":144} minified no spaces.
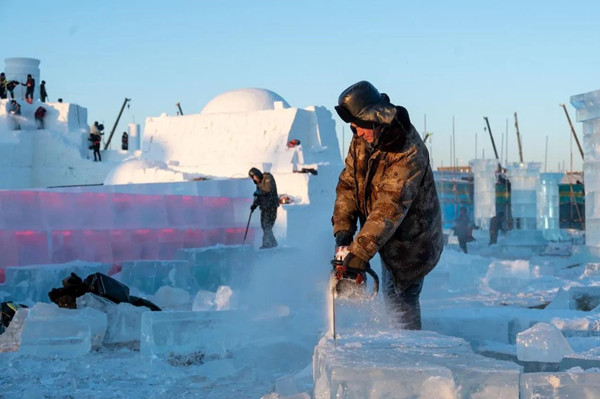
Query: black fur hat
{"x":363,"y":105}
{"x":255,"y":172}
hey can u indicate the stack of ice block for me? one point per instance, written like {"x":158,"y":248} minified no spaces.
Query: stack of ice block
{"x":548,"y":205}
{"x":484,"y":189}
{"x":409,"y":364}
{"x":588,"y":112}
{"x":149,"y":275}
{"x":524,"y":178}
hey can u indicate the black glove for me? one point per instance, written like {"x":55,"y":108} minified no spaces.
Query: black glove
{"x":253,"y":207}
{"x":352,"y":261}
{"x":343,"y":238}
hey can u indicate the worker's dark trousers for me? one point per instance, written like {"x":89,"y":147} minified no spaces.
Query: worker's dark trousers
{"x":97,"y":156}
{"x":402,"y":306}
{"x":267,"y":221}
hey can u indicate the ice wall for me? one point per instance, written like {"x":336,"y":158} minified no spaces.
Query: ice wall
{"x":484,"y":190}
{"x":548,"y":205}
{"x":39,"y":227}
{"x":524,"y":179}
{"x":588,"y":112}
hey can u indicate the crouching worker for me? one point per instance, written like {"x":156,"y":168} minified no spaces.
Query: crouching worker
{"x":267,"y":199}
{"x":387,"y":185}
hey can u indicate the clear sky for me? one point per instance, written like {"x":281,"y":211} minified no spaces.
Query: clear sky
{"x":442,"y":59}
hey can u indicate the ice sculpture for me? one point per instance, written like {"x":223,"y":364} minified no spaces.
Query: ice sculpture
{"x":588,"y":112}
{"x":524,"y":178}
{"x":484,"y":189}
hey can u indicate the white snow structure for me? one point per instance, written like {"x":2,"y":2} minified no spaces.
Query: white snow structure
{"x":524,"y":178}
{"x":17,"y":68}
{"x":484,"y":190}
{"x":588,"y":112}
{"x":548,"y":205}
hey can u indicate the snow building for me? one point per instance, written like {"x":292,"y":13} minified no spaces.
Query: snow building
{"x":187,"y":185}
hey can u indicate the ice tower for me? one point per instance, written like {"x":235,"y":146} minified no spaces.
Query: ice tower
{"x":484,"y":190}
{"x":18,"y":68}
{"x":588,"y":112}
{"x":524,"y":178}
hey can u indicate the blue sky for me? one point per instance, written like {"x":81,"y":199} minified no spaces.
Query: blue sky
{"x":461,"y":59}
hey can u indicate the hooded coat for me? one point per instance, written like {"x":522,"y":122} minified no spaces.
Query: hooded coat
{"x":266,"y":192}
{"x":388,"y":187}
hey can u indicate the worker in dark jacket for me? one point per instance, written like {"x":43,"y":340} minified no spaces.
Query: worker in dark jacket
{"x":43,"y":92}
{"x":10,"y":86}
{"x":267,"y":199}
{"x":29,"y":88}
{"x":2,"y":86}
{"x":463,"y":229}
{"x":496,"y":225}
{"x":387,"y":185}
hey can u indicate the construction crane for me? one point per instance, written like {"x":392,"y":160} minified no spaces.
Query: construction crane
{"x":572,"y":130}
{"x":116,"y":123}
{"x":493,"y":142}
{"x":519,"y":139}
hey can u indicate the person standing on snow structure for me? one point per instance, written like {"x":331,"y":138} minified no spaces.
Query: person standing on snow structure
{"x":125,"y":141}
{"x":267,"y":199}
{"x":387,"y":185}
{"x":30,"y":88}
{"x":10,"y":86}
{"x":95,"y":138}
{"x":463,"y":229}
{"x":15,"y":111}
{"x":39,"y":115}
{"x":2,"y":86}
{"x":43,"y":92}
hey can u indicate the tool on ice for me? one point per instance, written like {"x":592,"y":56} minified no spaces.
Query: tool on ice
{"x":247,"y":226}
{"x":349,"y":284}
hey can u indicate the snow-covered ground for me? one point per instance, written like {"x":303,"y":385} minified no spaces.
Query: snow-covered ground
{"x":262,"y":342}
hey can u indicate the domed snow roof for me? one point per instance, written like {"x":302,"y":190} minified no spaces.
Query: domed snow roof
{"x":244,"y":100}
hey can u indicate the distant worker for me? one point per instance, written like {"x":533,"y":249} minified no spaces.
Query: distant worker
{"x":463,"y":229}
{"x":10,"y":86}
{"x":60,"y":100}
{"x":39,"y":115}
{"x":43,"y":92}
{"x":267,"y":199}
{"x":125,"y":141}
{"x":95,"y":138}
{"x":2,"y":86}
{"x":496,"y":224}
{"x":15,"y":111}
{"x":30,"y":88}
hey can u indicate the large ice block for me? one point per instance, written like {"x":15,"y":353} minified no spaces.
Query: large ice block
{"x":123,"y":319}
{"x":571,"y":384}
{"x":548,"y":205}
{"x":50,"y":331}
{"x":408,"y":364}
{"x":10,"y":339}
{"x":149,"y":275}
{"x":172,"y":298}
{"x":32,"y":283}
{"x":542,"y":343}
{"x":212,"y":267}
{"x":524,"y":179}
{"x":172,"y":334}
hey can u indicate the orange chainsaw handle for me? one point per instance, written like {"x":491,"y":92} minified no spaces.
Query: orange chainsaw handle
{"x":340,"y":270}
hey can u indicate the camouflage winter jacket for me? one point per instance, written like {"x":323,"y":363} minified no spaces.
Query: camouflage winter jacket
{"x":266,"y":192}
{"x":390,"y":189}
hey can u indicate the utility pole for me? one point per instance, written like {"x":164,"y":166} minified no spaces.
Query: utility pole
{"x":493,"y":142}
{"x":179,"y":108}
{"x":116,"y":123}
{"x":519,"y":139}
{"x":572,"y":130}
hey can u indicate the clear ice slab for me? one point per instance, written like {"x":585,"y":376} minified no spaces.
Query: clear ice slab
{"x":408,"y":364}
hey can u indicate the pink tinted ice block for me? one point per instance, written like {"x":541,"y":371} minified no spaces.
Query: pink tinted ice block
{"x":144,"y":244}
{"x":169,"y":241}
{"x":214,"y":237}
{"x":125,"y":213}
{"x":235,"y":236}
{"x":193,"y":238}
{"x":67,"y":245}
{"x":97,"y":246}
{"x":8,"y":248}
{"x":219,"y":211}
{"x":182,"y":210}
{"x":32,"y":247}
{"x":120,"y":243}
{"x":93,"y":210}
{"x":21,"y":210}
{"x":151,"y":210}
{"x":59,"y":210}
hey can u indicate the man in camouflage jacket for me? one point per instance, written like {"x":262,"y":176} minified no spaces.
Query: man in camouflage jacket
{"x":387,"y":185}
{"x":267,"y":199}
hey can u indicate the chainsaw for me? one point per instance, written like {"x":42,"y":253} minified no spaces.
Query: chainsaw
{"x":351,"y":285}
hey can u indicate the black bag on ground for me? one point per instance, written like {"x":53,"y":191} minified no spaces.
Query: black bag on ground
{"x":7,"y":311}
{"x":107,"y":287}
{"x":65,"y":297}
